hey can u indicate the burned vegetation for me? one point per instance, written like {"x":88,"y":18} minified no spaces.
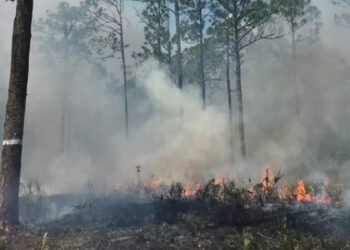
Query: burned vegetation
{"x":217,"y":214}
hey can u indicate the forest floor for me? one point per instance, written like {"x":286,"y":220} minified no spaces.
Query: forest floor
{"x":216,"y":217}
{"x":166,"y":236}
{"x":189,"y":232}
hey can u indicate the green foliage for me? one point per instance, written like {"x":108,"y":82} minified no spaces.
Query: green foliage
{"x":244,"y":22}
{"x":248,"y":239}
{"x":209,"y":192}
{"x":342,"y":19}
{"x":168,"y":206}
{"x":108,"y":16}
{"x":213,"y":67}
{"x":287,"y":235}
{"x":213,"y":203}
{"x":176,"y":191}
{"x":156,"y":18}
{"x":341,"y":2}
{"x":195,"y":20}
{"x":64,"y":37}
{"x":65,"y":31}
{"x":298,"y":13}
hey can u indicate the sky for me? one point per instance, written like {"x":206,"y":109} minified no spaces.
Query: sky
{"x":133,"y":36}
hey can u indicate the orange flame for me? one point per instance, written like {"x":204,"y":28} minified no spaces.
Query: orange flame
{"x":191,"y":189}
{"x":268,"y":178}
{"x":324,"y":196}
{"x":220,"y":179}
{"x":300,"y":192}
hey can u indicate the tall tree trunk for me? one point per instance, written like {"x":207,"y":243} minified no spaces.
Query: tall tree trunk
{"x":178,"y":44}
{"x":295,"y":83}
{"x":159,"y":39}
{"x":239,"y":92}
{"x":201,"y":63}
{"x":300,"y":140}
{"x":229,"y":94}
{"x":169,"y":40}
{"x":124,"y":75}
{"x":15,"y":110}
{"x":64,"y":111}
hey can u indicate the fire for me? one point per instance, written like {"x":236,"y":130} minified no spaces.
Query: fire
{"x":264,"y":191}
{"x":267,"y":181}
{"x":191,"y":189}
{"x":220,"y":179}
{"x":318,"y":194}
{"x":300,"y":192}
{"x":324,"y":196}
{"x":153,"y":185}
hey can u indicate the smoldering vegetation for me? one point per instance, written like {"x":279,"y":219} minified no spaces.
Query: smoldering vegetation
{"x":144,"y":218}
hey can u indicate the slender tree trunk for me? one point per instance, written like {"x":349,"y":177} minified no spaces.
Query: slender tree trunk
{"x":229,"y":95}
{"x":299,"y":137}
{"x":239,"y":93}
{"x":159,"y":41}
{"x":124,"y":75}
{"x":178,"y":44}
{"x":295,"y":83}
{"x":15,"y":111}
{"x":64,"y":112}
{"x":169,"y":40}
{"x":201,"y":63}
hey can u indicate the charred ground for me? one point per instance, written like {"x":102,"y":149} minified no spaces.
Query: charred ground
{"x":216,"y":216}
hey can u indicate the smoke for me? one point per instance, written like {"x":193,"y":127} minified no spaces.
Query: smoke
{"x":171,"y":137}
{"x":183,"y":141}
{"x":174,"y":140}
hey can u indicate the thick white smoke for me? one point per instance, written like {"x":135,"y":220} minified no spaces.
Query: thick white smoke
{"x":171,"y":137}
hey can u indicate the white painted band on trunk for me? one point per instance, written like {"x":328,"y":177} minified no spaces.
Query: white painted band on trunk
{"x":12,"y":142}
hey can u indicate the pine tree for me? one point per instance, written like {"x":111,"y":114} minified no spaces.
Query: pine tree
{"x":65,"y":33}
{"x":297,"y":14}
{"x":157,"y":43}
{"x":194,"y":26}
{"x":110,"y":41}
{"x":248,"y":20}
{"x":15,"y":112}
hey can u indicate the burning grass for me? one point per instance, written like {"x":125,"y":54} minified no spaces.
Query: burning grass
{"x":217,"y":214}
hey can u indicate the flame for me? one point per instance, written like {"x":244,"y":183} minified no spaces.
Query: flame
{"x":300,"y":192}
{"x":302,"y":195}
{"x":153,"y":184}
{"x":266,"y":188}
{"x":220,"y":179}
{"x":285,"y":193}
{"x":267,"y":181}
{"x":324,"y":196}
{"x":191,"y":189}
